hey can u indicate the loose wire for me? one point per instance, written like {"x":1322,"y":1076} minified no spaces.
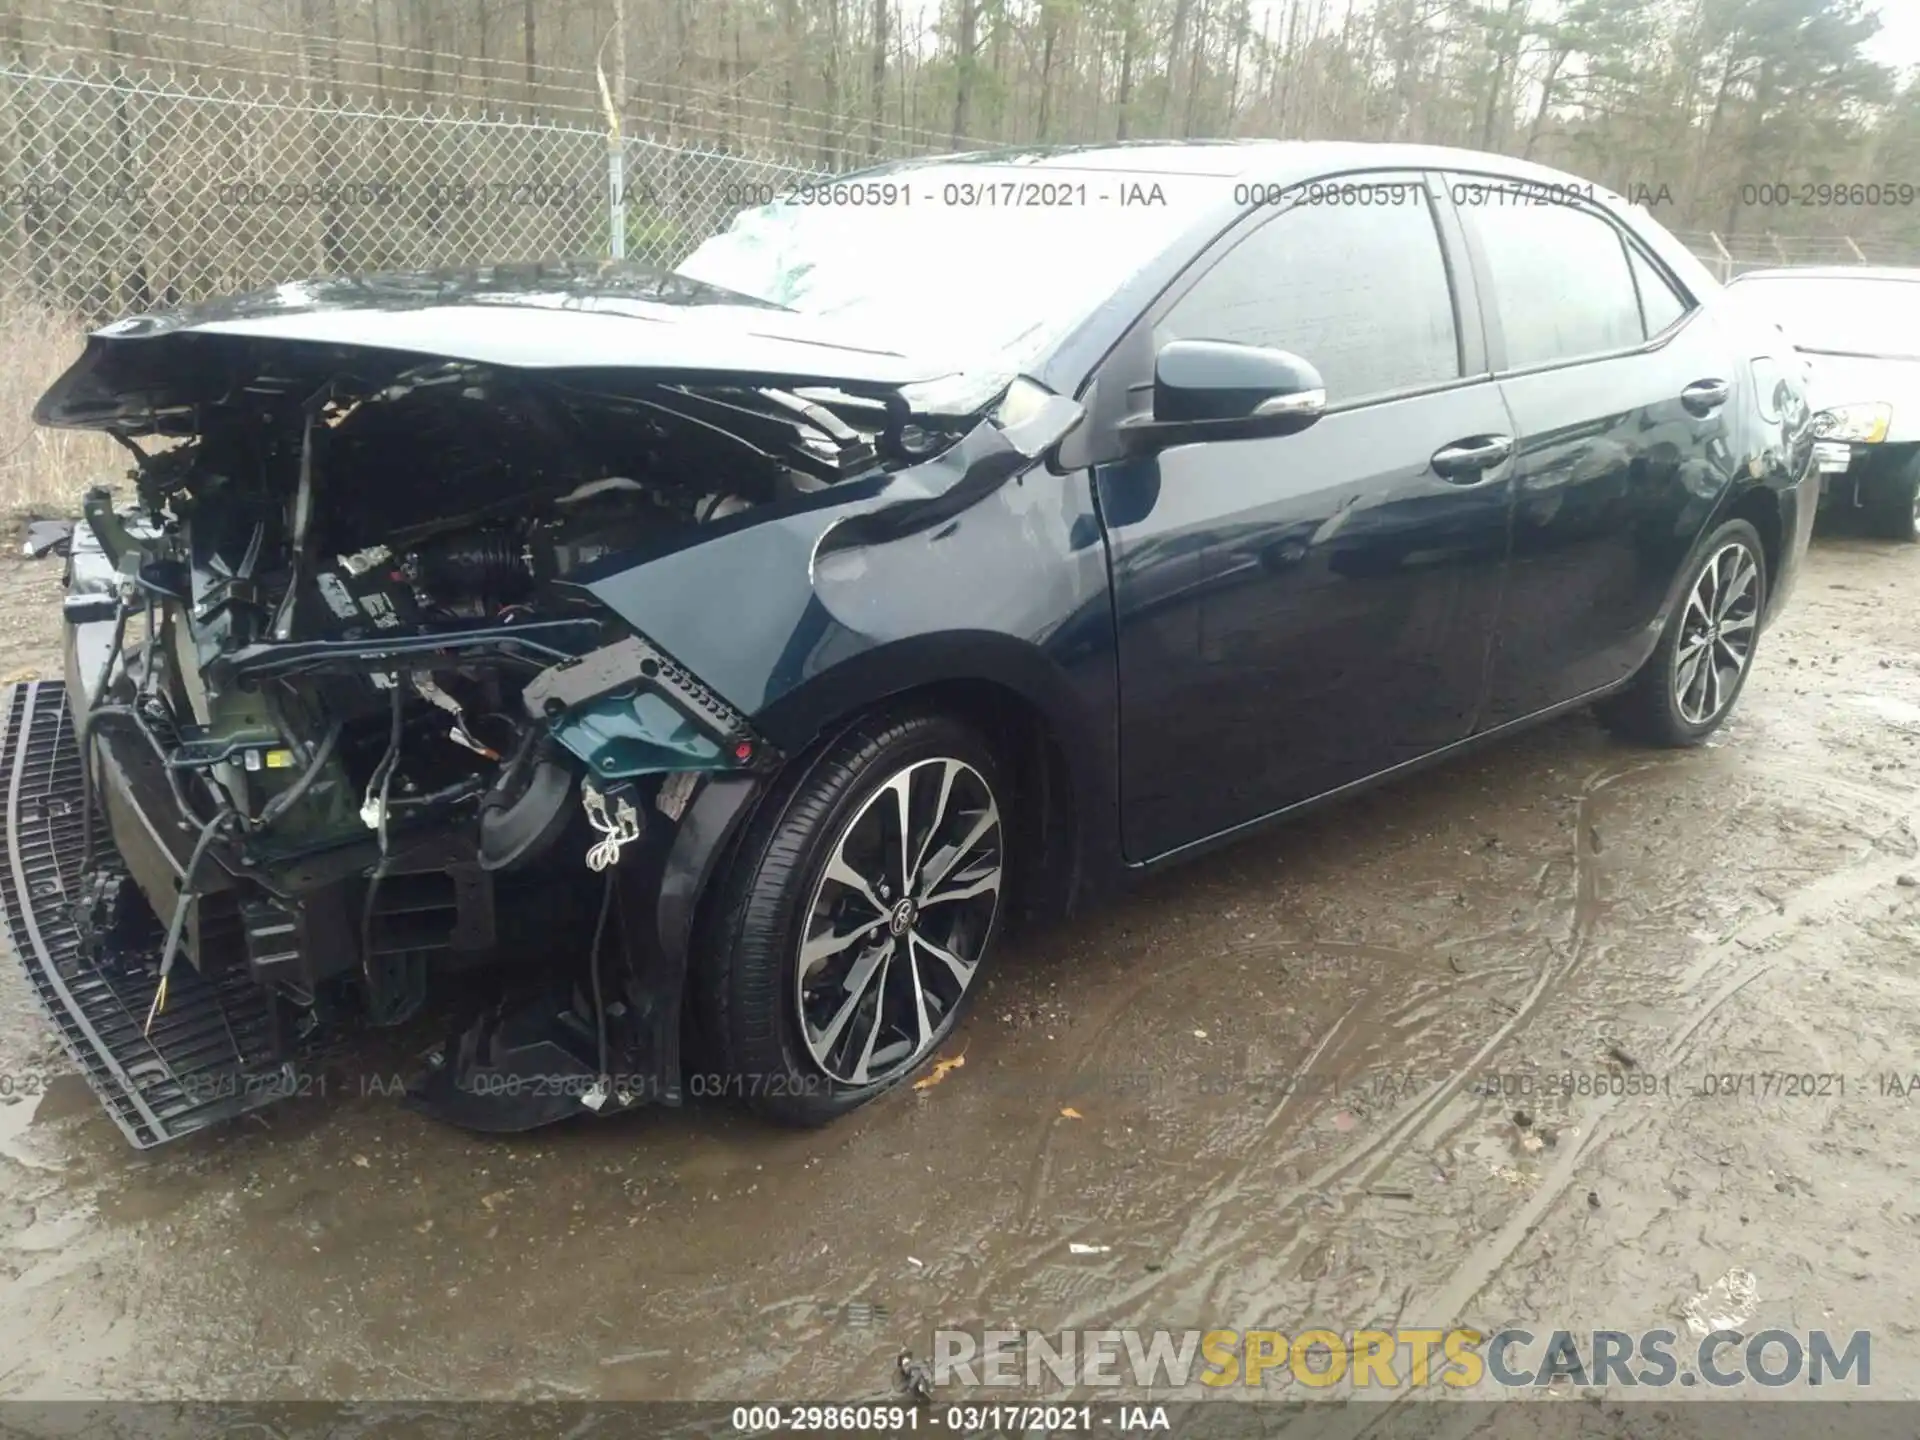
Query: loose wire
{"x":593,"y":964}
{"x":382,"y":779}
{"x":179,"y":921}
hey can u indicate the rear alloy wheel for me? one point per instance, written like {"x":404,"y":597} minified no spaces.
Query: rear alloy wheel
{"x":856,"y":918}
{"x":1890,"y":496}
{"x":1688,"y":686}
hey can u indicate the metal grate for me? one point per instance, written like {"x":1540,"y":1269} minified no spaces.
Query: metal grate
{"x":213,"y":1052}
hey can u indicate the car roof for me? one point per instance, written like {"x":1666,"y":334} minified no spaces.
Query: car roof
{"x":1830,"y":272}
{"x":1251,"y":159}
{"x":1266,"y":162}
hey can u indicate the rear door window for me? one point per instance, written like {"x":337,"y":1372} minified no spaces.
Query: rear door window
{"x":1562,"y":286}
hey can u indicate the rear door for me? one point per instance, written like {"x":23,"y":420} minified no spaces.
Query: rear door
{"x":1622,"y":390}
{"x":1297,"y":613}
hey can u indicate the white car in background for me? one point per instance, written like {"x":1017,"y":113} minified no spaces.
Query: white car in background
{"x":1858,"y":328}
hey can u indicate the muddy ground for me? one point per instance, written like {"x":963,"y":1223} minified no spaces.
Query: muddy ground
{"x":1275,"y":1060}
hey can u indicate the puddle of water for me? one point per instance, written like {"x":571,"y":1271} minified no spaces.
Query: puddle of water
{"x":1898,"y":712}
{"x":18,"y":1143}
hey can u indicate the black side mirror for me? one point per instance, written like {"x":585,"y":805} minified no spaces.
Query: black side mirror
{"x":1218,"y":390}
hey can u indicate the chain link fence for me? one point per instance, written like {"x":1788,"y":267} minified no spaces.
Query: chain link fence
{"x":1728,"y":256}
{"x":125,"y":190}
{"x":122,"y":191}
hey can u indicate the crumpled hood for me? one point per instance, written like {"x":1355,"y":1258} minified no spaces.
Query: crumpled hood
{"x":536,"y":317}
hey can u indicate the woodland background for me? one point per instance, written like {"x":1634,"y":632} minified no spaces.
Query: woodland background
{"x":1702,"y":97}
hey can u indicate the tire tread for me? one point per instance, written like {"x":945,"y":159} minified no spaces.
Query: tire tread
{"x":740,"y":961}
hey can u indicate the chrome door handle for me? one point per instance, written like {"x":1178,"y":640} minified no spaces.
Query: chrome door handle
{"x":1465,"y":461}
{"x":1703,"y":397}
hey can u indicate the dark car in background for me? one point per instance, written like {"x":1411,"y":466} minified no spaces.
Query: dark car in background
{"x":1857,"y":328}
{"x":724,"y":658}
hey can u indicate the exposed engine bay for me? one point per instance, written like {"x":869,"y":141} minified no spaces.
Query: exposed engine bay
{"x":313,"y":667}
{"x":292,"y":560}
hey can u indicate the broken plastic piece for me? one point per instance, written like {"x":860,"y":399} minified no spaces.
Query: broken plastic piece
{"x":47,"y":537}
{"x":915,"y":1375}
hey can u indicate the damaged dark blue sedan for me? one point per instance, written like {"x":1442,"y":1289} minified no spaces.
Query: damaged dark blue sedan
{"x":720,"y":659}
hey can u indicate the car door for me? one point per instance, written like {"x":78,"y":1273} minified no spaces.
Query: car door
{"x":1621,"y":388}
{"x":1296,"y":613}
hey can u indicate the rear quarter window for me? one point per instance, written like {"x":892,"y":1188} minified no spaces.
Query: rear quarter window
{"x":1660,"y":305}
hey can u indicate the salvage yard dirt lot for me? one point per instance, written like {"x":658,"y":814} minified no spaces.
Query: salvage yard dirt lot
{"x":1368,"y":1069}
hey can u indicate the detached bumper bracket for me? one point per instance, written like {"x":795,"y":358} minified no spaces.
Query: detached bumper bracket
{"x":630,"y":665}
{"x":625,"y":663}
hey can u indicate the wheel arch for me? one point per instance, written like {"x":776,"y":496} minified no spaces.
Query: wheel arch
{"x":1759,"y":506}
{"x":1055,"y":740}
{"x":1756,"y":503}
{"x":1023,"y":706}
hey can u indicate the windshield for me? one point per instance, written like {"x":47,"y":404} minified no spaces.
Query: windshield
{"x":1849,"y":315}
{"x":986,"y":264}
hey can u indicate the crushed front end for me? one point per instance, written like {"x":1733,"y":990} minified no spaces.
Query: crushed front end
{"x":341,"y":715}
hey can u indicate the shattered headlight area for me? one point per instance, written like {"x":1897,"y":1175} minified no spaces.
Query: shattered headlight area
{"x":341,"y":715}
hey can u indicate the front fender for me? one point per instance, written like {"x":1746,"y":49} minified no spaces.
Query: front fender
{"x":742,"y":609}
{"x":976,"y":565}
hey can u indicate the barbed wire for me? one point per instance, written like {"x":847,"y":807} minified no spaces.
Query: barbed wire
{"x":1729,"y":255}
{"x":774,"y":142}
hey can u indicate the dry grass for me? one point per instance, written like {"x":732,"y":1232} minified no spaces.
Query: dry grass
{"x":44,"y":472}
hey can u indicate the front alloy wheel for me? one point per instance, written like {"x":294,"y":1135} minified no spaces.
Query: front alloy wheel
{"x":849,"y":931}
{"x":898,"y":921}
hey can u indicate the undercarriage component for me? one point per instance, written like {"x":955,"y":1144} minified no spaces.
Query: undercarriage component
{"x":91,"y":951}
{"x":527,"y":1064}
{"x":396,"y":986}
{"x":598,"y":1043}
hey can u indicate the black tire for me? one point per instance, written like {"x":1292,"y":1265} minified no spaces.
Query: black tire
{"x":746,"y":981}
{"x":1890,"y":500}
{"x":1654,"y":709}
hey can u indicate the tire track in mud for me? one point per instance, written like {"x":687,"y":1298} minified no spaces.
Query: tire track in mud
{"x":1717,"y":976}
{"x":1033,"y":1193}
{"x":1207,"y":1246}
{"x":1353,"y":1173}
